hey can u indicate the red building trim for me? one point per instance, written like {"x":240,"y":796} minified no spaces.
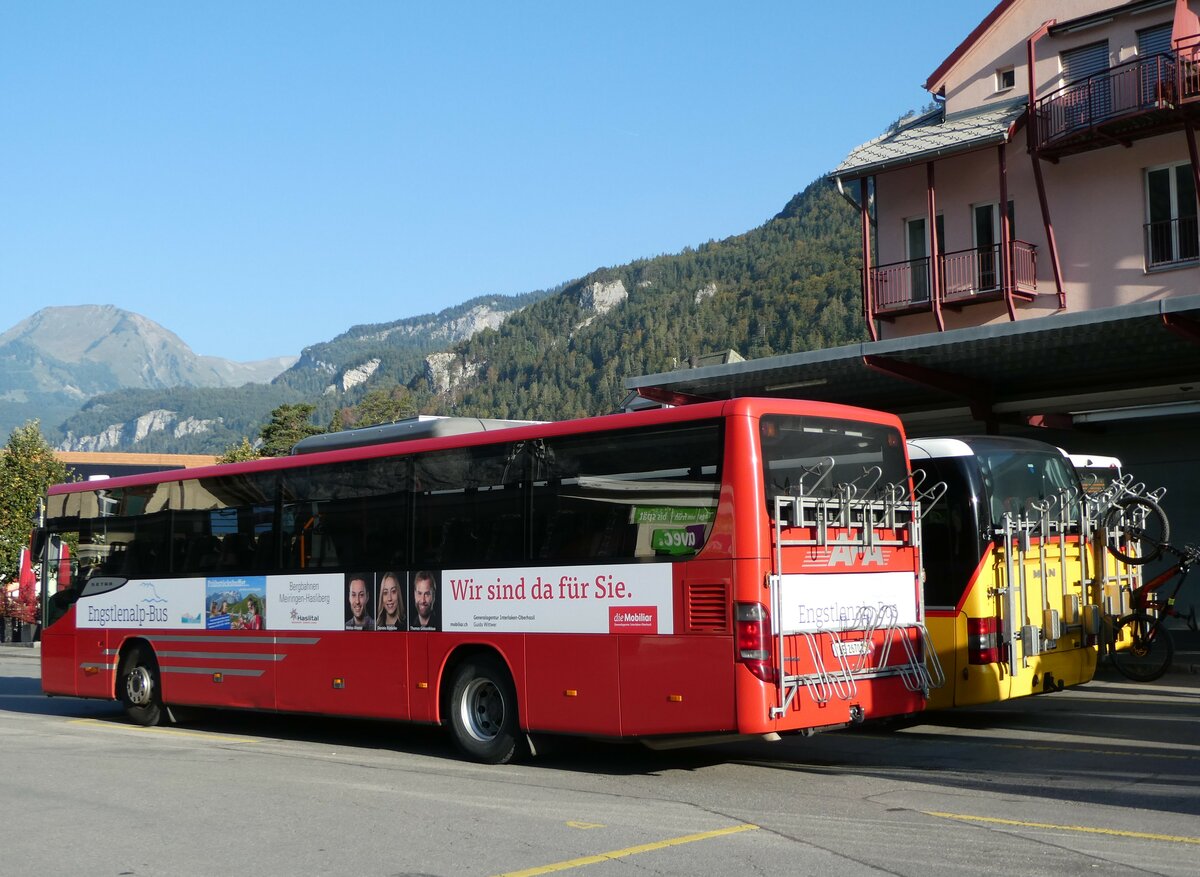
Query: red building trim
{"x":868,"y":282}
{"x":935,"y":287}
{"x":1031,"y":137}
{"x":1006,"y":279}
{"x":967,"y":44}
{"x":1194,"y":155}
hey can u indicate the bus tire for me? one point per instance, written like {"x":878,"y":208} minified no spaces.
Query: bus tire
{"x":1149,"y":652}
{"x":483,"y":711}
{"x":139,"y":687}
{"x":1136,"y":521}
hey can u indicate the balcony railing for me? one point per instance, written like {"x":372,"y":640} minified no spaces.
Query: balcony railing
{"x":1120,"y":98}
{"x":963,"y":276}
{"x":1172,"y":242}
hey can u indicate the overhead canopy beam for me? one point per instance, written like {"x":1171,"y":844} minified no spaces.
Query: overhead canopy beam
{"x":1183,"y":327}
{"x":976,"y":395}
{"x":664,"y":396}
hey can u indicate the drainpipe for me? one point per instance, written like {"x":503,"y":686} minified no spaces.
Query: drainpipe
{"x":868,"y":277}
{"x":868,"y":283}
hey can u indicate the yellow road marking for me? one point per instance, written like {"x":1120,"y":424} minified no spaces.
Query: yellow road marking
{"x":1188,"y":702}
{"x":584,"y":825}
{"x":628,"y":851}
{"x":170,"y":732}
{"x":1123,"y":753}
{"x":1085,"y":829}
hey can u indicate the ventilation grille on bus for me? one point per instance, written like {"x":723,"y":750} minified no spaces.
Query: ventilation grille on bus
{"x":707,"y":607}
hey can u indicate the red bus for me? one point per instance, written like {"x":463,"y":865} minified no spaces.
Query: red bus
{"x":747,"y":567}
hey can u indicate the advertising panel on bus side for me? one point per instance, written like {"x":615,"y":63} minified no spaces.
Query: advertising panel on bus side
{"x":602,"y":598}
{"x":605,"y":598}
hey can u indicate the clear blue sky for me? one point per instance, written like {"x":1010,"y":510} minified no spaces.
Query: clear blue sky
{"x":261,"y":176}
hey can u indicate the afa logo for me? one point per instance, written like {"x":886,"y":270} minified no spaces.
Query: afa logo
{"x":857,"y":555}
{"x":842,"y":553}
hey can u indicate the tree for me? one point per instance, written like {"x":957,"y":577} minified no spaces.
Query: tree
{"x":239,"y":453}
{"x":385,"y":404}
{"x":289,"y":424}
{"x":27,"y":468}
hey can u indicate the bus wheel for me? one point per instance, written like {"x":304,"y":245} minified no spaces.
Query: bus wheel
{"x":138,"y":687}
{"x":483,"y":711}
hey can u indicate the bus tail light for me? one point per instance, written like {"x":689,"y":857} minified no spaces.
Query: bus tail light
{"x":983,"y":640}
{"x":754,"y":639}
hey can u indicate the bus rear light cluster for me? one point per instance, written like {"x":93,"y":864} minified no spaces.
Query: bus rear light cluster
{"x":983,"y":640}
{"x":754,"y":639}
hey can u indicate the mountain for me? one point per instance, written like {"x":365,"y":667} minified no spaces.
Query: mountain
{"x":792,"y":284}
{"x":399,"y":347}
{"x":197,"y":419}
{"x":57,"y":359}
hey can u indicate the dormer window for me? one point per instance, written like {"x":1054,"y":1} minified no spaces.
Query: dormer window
{"x":1006,"y":78}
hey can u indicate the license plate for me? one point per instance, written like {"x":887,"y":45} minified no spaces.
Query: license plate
{"x":846,"y":648}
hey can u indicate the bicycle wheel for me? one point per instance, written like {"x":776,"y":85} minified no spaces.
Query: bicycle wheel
{"x":1142,"y":647}
{"x":1135,"y":529}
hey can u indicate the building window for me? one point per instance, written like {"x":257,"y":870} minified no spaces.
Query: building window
{"x":916,"y":246}
{"x":1006,"y":78}
{"x":1084,"y":61}
{"x":1156,"y":69}
{"x":1171,"y":229}
{"x":985,"y":231}
{"x":1155,"y":40}
{"x":1087,"y":96}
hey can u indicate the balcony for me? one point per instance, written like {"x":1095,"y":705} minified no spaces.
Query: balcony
{"x":1173,"y":243}
{"x":964,"y":277}
{"x":1137,"y":99}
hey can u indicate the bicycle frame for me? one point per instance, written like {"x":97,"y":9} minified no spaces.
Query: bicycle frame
{"x":1143,"y":599}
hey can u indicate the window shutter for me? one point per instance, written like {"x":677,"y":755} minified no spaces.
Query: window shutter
{"x":1084,"y":61}
{"x":1154,"y":41}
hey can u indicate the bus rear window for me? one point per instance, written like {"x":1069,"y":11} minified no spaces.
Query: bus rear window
{"x":809,"y":456}
{"x":1021,"y":481}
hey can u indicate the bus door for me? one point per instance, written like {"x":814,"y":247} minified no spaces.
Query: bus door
{"x":56,"y":595}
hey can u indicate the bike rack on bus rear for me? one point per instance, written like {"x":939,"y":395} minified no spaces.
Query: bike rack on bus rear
{"x":890,"y":518}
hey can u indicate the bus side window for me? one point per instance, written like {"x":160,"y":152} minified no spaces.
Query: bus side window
{"x":605,"y":489}
{"x":470,"y":511}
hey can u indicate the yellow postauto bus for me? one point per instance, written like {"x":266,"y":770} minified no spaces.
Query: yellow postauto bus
{"x":1011,"y":589}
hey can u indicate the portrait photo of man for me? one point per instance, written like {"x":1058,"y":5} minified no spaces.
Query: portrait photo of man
{"x":425,"y":614}
{"x":358,"y":602}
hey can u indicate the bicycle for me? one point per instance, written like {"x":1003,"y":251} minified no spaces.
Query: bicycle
{"x":1151,"y":648}
{"x":1136,"y":528}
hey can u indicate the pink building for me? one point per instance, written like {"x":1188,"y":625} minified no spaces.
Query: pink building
{"x":1081,"y":117}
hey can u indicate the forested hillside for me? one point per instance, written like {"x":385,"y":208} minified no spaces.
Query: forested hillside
{"x":400,"y":346}
{"x":790,"y":285}
{"x":180,"y":420}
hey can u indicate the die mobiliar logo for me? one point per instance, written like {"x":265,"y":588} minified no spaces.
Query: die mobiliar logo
{"x":633,"y":619}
